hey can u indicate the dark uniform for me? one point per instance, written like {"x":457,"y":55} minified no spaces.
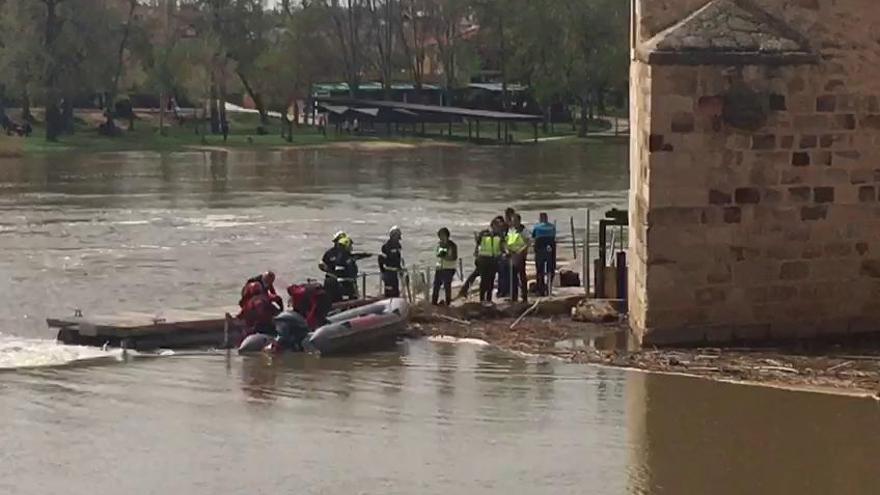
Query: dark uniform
{"x":342,"y":271}
{"x":390,"y":264}
{"x":447,"y":259}
{"x":518,"y":250}
{"x":544,"y":239}
{"x":489,"y":251}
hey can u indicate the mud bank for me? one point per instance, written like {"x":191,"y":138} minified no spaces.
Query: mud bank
{"x":834,"y":370}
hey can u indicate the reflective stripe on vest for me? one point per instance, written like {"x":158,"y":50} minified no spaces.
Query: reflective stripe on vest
{"x":515,"y":242}
{"x":490,"y":246}
{"x":442,"y":262}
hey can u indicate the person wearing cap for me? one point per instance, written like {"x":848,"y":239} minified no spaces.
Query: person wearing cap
{"x":490,"y":247}
{"x":504,"y":266}
{"x":340,"y":267}
{"x":447,"y":261}
{"x":518,"y":251}
{"x":391,"y":262}
{"x":544,"y":238}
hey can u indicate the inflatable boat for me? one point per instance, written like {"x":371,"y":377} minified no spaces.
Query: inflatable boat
{"x":356,"y":330}
{"x":361,"y":328}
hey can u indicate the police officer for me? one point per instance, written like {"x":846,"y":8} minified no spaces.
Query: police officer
{"x":490,"y":247}
{"x":447,"y":259}
{"x":391,"y":262}
{"x":544,"y":239}
{"x":518,"y":252}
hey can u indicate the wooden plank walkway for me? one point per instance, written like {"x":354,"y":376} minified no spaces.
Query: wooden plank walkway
{"x":173,"y":329}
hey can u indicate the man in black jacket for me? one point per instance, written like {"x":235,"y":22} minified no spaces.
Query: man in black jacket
{"x":391,"y":262}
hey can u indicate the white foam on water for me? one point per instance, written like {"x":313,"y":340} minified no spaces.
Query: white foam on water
{"x":22,"y":353}
{"x":446,"y":339}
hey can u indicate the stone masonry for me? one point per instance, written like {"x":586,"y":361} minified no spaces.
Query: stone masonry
{"x":755,"y":180}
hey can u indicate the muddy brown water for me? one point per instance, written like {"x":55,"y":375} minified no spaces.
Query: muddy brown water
{"x":143,"y":230}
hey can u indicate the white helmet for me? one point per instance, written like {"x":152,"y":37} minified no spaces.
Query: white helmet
{"x":395,"y":230}
{"x":339,"y":235}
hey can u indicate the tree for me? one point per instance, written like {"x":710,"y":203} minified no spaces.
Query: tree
{"x":52,"y":28}
{"x":348,"y":27}
{"x":110,"y":103}
{"x":446,"y":22}
{"x":413,"y":24}
{"x":382,"y":17}
{"x":21,"y":57}
{"x":244,"y":30}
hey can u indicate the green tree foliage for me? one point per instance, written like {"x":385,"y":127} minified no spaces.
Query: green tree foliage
{"x":571,"y":53}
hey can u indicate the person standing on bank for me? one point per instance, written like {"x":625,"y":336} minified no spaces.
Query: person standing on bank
{"x":518,"y":252}
{"x":489,"y":250}
{"x":504,"y":261}
{"x":447,"y":261}
{"x":391,"y":262}
{"x":544,"y":240}
{"x":341,"y":269}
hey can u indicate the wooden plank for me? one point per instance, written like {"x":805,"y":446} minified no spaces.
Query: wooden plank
{"x":134,"y":323}
{"x":139,"y":324}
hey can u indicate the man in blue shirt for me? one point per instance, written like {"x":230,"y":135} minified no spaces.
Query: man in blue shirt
{"x":544,"y":241}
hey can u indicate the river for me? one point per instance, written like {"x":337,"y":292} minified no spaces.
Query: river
{"x":105,"y":232}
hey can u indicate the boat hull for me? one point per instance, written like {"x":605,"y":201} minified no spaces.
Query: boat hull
{"x":361,"y":329}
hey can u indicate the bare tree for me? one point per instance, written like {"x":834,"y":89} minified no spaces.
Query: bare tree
{"x":383,"y":28}
{"x":54,"y":121}
{"x":120,"y":64}
{"x":412,"y":24}
{"x":347,"y":22}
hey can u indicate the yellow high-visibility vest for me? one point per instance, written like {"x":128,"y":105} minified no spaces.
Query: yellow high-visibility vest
{"x":515,"y":242}
{"x":490,"y":246}
{"x":443,"y":262}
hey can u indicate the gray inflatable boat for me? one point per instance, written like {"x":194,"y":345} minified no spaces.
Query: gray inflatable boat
{"x":360,"y":329}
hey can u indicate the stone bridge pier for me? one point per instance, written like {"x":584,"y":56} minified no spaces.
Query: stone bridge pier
{"x":755,"y":170}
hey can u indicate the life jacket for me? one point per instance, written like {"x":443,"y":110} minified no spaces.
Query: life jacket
{"x":490,"y":245}
{"x":268,"y":288}
{"x":250,"y":290}
{"x":258,"y":313}
{"x":311,"y":301}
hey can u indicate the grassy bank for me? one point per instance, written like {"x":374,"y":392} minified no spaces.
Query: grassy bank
{"x":243,"y":135}
{"x":146,"y":136}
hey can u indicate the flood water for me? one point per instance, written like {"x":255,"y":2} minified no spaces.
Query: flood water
{"x":148,"y":231}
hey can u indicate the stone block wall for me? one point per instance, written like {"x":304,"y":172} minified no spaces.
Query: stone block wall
{"x":768,"y":229}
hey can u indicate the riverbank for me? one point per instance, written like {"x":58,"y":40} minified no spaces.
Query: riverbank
{"x":244,"y":135}
{"x":833,"y":370}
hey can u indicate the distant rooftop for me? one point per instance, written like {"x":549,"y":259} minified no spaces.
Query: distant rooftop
{"x":368,"y":86}
{"x":727,"y":32}
{"x":496,"y":87}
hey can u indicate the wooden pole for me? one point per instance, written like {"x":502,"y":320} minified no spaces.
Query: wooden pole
{"x":574,"y":249}
{"x":587,"y":282}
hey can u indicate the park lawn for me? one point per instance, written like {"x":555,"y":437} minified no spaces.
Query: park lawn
{"x":146,"y":137}
{"x":243,"y":135}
